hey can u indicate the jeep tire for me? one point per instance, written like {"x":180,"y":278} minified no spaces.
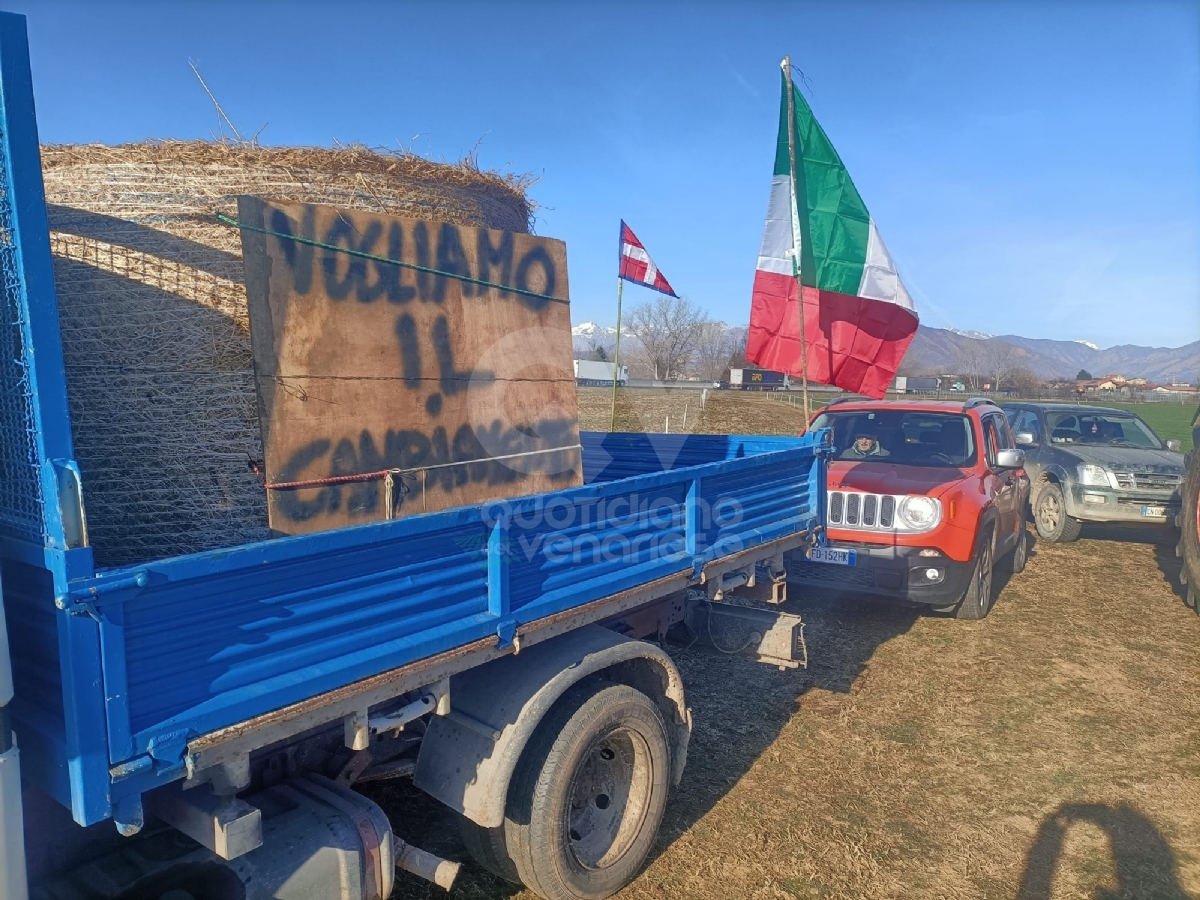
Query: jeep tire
{"x":977,"y":599}
{"x":1050,"y":516}
{"x":1015,"y":563}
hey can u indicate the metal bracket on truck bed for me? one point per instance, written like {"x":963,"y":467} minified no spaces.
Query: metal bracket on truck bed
{"x":227,"y":826}
{"x":765,"y":635}
{"x":742,"y":570}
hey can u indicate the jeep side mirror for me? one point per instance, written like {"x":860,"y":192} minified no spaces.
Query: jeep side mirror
{"x":1025,"y":438}
{"x":1175,"y":446}
{"x":1010,"y":459}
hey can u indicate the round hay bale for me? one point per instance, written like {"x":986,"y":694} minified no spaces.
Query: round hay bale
{"x":155,"y":330}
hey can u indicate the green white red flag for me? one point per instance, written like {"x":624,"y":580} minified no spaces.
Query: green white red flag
{"x":858,"y":317}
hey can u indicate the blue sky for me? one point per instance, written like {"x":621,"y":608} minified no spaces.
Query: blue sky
{"x":1033,"y":167}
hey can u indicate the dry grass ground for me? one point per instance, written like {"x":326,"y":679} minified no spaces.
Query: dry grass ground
{"x":724,"y":412}
{"x":1051,"y":751}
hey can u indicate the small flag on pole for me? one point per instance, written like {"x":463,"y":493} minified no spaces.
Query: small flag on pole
{"x":637,"y":266}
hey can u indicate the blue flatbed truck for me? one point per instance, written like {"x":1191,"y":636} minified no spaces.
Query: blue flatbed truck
{"x":191,"y":727}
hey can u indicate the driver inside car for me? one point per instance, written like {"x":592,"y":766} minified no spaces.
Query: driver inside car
{"x":865,"y":446}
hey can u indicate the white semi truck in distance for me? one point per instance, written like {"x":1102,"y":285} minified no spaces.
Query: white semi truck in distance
{"x":590,"y":373}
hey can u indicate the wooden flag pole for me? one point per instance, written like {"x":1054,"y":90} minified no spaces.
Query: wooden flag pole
{"x":795,"y":211}
{"x":616,"y":364}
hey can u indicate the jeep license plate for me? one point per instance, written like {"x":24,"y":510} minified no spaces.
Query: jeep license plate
{"x":832,"y":556}
{"x":1158,"y":512}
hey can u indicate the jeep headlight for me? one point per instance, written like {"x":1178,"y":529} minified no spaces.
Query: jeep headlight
{"x":1096,"y":476}
{"x":919,"y":513}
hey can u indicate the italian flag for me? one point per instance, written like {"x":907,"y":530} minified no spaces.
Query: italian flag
{"x":858,"y":318}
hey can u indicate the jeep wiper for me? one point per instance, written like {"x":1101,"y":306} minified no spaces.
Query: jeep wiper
{"x":1123,"y":442}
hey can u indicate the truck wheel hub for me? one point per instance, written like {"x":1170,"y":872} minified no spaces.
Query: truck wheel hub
{"x":608,"y":798}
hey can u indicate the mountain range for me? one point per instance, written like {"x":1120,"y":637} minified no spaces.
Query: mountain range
{"x":938,"y":349}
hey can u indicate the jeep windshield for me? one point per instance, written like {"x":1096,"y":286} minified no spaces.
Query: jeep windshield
{"x":901,"y":437}
{"x":1112,"y":429}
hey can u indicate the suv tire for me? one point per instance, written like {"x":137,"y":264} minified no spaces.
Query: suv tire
{"x":1020,"y":553}
{"x":1050,"y":516}
{"x":977,"y":601}
{"x":1189,"y":532}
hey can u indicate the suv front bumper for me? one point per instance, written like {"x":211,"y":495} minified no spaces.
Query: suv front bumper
{"x":893,"y":573}
{"x":1101,"y":504}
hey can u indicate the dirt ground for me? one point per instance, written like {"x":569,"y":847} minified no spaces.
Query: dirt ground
{"x":1050,"y":751}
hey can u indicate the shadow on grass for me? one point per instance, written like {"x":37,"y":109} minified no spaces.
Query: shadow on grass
{"x":1162,"y":538}
{"x":740,"y":707}
{"x":1150,"y":533}
{"x":1171,"y":567}
{"x":1143,"y":861}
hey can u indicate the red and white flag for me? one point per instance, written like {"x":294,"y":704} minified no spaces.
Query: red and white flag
{"x":637,"y":266}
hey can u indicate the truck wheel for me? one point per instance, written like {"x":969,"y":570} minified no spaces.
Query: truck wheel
{"x":588,"y":795}
{"x":488,"y":848}
{"x":1189,"y":532}
{"x":977,"y":601}
{"x":1051,"y":519}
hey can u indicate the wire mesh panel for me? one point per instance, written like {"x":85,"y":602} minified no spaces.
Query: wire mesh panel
{"x":155,"y":330}
{"x":20,"y":490}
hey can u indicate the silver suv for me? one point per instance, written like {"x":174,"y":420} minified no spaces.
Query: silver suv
{"x":1094,"y":464}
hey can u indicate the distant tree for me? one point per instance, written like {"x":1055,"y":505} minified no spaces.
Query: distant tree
{"x":715,"y":345}
{"x":1000,"y":359}
{"x":969,"y":359}
{"x":600,"y":354}
{"x":668,"y":328}
{"x":737,"y":356}
{"x":1084,"y":375}
{"x":1025,"y":382}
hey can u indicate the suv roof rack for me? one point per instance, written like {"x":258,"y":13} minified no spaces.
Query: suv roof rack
{"x":979,"y":401}
{"x":843,"y":399}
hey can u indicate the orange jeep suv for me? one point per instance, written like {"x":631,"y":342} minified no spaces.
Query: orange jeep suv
{"x":923,"y":498}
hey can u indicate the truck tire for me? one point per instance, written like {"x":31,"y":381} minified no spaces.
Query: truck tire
{"x":1051,"y":519}
{"x":488,"y":848}
{"x":589,"y":792}
{"x":1189,"y":532}
{"x":977,"y":600}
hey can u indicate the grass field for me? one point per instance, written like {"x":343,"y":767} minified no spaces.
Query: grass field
{"x":724,"y":412}
{"x":1049,"y":752}
{"x":729,"y":412}
{"x":1170,"y":421}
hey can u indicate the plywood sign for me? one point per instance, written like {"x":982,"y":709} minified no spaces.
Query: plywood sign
{"x":464,"y":392}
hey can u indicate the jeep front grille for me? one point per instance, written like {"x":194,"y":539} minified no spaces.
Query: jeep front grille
{"x":869,"y":512}
{"x":887,"y":511}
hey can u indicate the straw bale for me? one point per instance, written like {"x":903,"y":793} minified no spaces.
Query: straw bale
{"x":152,"y":305}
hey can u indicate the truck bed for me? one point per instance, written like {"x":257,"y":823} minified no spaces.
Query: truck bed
{"x":120,"y":671}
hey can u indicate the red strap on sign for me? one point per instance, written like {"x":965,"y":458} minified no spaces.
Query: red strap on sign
{"x":335,"y":479}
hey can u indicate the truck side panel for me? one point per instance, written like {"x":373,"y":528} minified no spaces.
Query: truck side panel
{"x":193,"y":644}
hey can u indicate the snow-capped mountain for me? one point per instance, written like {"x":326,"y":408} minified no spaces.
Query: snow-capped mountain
{"x":976,"y":335}
{"x":590,"y":335}
{"x":591,"y":330}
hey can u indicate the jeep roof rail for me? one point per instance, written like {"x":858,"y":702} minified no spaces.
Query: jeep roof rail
{"x":845,"y":398}
{"x":979,"y":401}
